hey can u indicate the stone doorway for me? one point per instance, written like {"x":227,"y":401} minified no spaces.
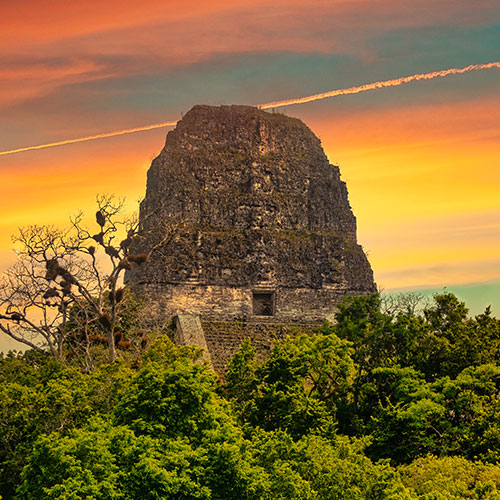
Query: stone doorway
{"x":263,"y":303}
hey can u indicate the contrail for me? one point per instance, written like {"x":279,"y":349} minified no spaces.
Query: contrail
{"x":379,"y":85}
{"x":90,"y":137}
{"x":276,"y":104}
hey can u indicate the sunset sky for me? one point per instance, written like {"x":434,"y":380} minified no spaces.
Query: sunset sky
{"x":421,"y":161}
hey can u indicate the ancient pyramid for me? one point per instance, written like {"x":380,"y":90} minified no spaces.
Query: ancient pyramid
{"x":259,"y":222}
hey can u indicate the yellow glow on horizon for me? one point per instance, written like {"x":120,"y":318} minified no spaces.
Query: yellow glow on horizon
{"x":423,"y":182}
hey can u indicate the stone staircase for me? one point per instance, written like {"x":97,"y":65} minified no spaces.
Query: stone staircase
{"x":188,"y":331}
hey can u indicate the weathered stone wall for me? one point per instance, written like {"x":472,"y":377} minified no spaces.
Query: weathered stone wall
{"x":224,"y":338}
{"x":223,"y":302}
{"x":254,"y":204}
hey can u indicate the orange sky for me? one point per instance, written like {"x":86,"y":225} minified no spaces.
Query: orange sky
{"x":421,"y":161}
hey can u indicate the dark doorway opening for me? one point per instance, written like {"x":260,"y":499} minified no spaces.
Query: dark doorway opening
{"x":263,"y":303}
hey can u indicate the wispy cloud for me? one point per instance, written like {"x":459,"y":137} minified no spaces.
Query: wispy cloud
{"x":276,"y":104}
{"x":86,"y":37}
{"x":439,"y":274}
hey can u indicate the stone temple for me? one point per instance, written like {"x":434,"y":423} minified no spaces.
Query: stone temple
{"x":258,"y":222}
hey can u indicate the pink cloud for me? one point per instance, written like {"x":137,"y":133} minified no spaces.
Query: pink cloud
{"x":122,"y":38}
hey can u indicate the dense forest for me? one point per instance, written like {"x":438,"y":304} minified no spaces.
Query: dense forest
{"x":395,"y":401}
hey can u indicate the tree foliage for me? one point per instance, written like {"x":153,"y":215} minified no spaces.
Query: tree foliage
{"x":389,"y":403}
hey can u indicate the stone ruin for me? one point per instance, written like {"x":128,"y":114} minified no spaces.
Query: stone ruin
{"x":259,"y":223}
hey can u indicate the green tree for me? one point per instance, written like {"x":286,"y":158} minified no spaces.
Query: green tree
{"x":171,"y":401}
{"x":298,"y":388}
{"x":379,"y":339}
{"x":472,"y":403}
{"x":39,"y":395}
{"x":330,"y":469}
{"x":101,"y":462}
{"x":451,"y":341}
{"x":410,"y":418}
{"x":453,"y":478}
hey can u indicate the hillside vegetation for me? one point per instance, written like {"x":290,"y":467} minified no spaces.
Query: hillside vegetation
{"x":389,"y":403}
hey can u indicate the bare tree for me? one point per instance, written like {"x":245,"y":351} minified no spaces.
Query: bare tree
{"x":67,"y":285}
{"x":407,"y":303}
